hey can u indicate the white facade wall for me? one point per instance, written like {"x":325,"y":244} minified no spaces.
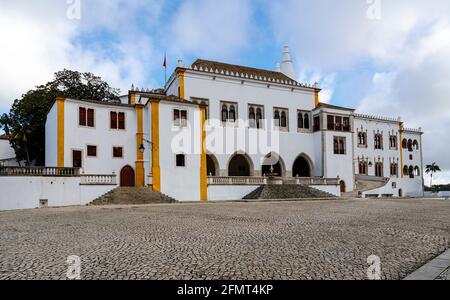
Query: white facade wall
{"x":51,"y":137}
{"x":181,"y":183}
{"x":58,"y":191}
{"x":408,"y":187}
{"x":386,"y":155}
{"x":78,"y":138}
{"x":227,"y":193}
{"x":291,"y":144}
{"x":7,"y":154}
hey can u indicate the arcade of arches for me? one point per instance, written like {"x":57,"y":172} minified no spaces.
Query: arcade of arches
{"x":240,"y":165}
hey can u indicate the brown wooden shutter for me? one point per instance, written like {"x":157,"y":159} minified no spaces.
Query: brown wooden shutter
{"x":82,"y":116}
{"x":90,"y":118}
{"x":122,"y":121}
{"x":113,"y":120}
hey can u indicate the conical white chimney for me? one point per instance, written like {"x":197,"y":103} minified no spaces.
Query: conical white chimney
{"x":287,"y":67}
{"x":278,"y":67}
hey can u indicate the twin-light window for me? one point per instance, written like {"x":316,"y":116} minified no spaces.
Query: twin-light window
{"x":86,"y":117}
{"x":117,"y":120}
{"x":180,"y":117}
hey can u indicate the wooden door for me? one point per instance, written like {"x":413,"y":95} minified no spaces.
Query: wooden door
{"x":127,"y":177}
{"x":343,"y":187}
{"x":77,"y":159}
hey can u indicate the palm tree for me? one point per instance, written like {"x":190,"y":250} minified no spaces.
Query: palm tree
{"x":432,"y":169}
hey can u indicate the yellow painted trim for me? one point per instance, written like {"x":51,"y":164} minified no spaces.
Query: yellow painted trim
{"x":156,"y":169}
{"x":132,"y":97}
{"x":316,"y":97}
{"x":60,"y":151}
{"x":181,"y":77}
{"x":140,"y":172}
{"x":400,"y":143}
{"x":203,"y":161}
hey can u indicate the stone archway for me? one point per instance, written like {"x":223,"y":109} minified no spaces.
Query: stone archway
{"x":302,"y":167}
{"x":273,"y":160}
{"x":212,"y":165}
{"x":127,"y":177}
{"x":240,"y":165}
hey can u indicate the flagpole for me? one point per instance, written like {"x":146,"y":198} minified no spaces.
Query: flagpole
{"x":165,"y":70}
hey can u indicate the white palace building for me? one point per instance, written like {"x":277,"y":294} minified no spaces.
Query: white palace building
{"x":219,"y":131}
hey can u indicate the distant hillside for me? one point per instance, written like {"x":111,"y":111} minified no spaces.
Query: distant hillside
{"x":439,"y":188}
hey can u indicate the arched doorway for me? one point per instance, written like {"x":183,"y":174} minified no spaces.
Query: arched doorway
{"x":301,"y":168}
{"x":212,"y":165}
{"x":127,"y":178}
{"x":343,"y":186}
{"x":239,"y":166}
{"x":274,"y":161}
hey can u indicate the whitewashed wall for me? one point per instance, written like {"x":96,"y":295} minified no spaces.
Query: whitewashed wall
{"x":291,"y":144}
{"x":51,"y":137}
{"x":26,"y":192}
{"x":7,"y":154}
{"x":229,"y":193}
{"x":409,"y":187}
{"x":78,"y":138}
{"x":332,"y":189}
{"x":181,"y":183}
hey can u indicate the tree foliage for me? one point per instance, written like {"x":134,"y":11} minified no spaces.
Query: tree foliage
{"x":25,"y":123}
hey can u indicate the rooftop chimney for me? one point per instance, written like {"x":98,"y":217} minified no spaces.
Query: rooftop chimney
{"x":287,"y":68}
{"x":278,"y":67}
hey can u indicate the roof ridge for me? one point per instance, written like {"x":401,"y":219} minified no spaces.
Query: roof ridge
{"x":236,"y":65}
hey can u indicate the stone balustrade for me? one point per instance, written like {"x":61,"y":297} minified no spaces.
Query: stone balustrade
{"x":265,"y":180}
{"x":39,"y":171}
{"x":98,"y":179}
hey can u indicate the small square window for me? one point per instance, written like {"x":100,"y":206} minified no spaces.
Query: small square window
{"x":117,"y":152}
{"x":181,"y":160}
{"x":92,"y":151}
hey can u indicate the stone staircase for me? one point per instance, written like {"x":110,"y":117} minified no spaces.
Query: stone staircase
{"x":287,"y":191}
{"x":132,"y":196}
{"x":365,"y":184}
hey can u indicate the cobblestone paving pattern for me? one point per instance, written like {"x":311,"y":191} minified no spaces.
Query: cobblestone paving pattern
{"x":277,"y":240}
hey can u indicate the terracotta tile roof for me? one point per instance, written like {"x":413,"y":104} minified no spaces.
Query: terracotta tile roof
{"x":245,"y":72}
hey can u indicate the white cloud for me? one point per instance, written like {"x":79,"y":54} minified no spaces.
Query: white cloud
{"x":39,"y":39}
{"x":408,"y":50}
{"x":211,"y":29}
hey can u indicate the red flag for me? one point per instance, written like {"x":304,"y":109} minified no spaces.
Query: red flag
{"x":165,"y":61}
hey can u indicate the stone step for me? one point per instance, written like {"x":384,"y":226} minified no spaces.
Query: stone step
{"x":287,"y":191}
{"x":132,"y":196}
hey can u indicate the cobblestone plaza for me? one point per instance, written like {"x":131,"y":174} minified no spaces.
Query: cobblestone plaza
{"x":233,"y":240}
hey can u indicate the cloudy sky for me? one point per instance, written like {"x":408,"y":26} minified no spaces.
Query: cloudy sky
{"x":383,"y":57}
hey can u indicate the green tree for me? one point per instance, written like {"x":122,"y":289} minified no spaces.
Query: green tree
{"x":432,"y":169}
{"x":25,"y":123}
